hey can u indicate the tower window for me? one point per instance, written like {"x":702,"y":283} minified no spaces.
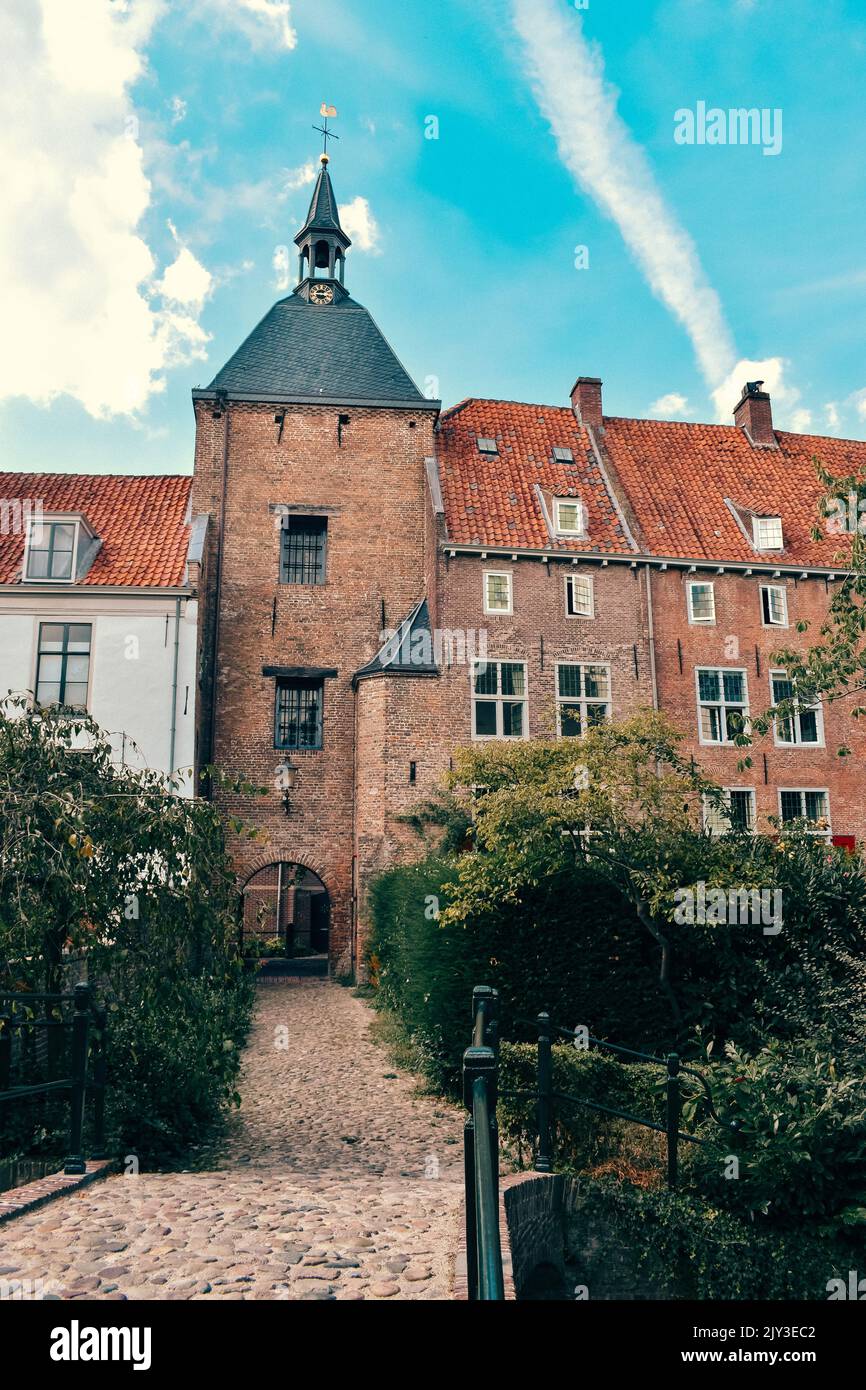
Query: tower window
{"x":774,"y":605}
{"x":302,"y":558}
{"x":298,"y":718}
{"x":498,"y":592}
{"x":702,"y":603}
{"x":579,"y":596}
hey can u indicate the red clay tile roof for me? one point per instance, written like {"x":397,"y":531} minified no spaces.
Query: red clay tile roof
{"x":141,"y":522}
{"x":672,"y":478}
{"x":676,"y":477}
{"x":492,"y":500}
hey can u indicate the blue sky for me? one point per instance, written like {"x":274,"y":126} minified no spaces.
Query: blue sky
{"x":170,"y":136}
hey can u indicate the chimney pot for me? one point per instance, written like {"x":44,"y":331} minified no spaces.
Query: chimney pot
{"x":754,"y":414}
{"x":586,"y":401}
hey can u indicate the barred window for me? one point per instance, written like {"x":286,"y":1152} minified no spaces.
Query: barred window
{"x":813,"y":807}
{"x":302,"y":559}
{"x":298,"y":722}
{"x":737,"y":811}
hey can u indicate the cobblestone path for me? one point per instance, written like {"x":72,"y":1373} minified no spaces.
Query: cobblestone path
{"x":337,"y":1182}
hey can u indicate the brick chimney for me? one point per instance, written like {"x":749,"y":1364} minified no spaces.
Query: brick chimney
{"x":586,"y":401}
{"x":754,"y":414}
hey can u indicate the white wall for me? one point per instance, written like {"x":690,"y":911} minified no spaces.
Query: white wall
{"x":131,"y":666}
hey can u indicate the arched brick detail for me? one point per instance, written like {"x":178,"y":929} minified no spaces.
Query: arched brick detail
{"x":264,"y":861}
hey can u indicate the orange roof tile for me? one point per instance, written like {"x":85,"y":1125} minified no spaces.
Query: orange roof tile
{"x":141,"y":522}
{"x":673,"y":479}
{"x":492,"y":500}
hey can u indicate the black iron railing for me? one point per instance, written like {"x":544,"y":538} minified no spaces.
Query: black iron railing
{"x":84,"y":1062}
{"x":545,"y":1095}
{"x":481,"y":1151}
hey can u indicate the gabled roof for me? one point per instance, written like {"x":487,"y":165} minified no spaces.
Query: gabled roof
{"x":678,"y":478}
{"x":141,"y":522}
{"x":680,"y":484}
{"x":324,"y":214}
{"x":494,"y":499}
{"x":332,"y":354}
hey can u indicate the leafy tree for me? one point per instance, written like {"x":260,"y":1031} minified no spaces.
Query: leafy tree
{"x":111,"y":864}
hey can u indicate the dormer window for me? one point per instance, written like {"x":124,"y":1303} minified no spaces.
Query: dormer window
{"x":561,"y":455}
{"x":488,"y":446}
{"x":51,"y":551}
{"x":767,"y":532}
{"x":569,"y":516}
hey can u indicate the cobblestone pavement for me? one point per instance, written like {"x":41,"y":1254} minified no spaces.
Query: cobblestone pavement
{"x":337,"y":1181}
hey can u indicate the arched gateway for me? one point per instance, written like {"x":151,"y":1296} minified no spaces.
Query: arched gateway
{"x":288,"y":904}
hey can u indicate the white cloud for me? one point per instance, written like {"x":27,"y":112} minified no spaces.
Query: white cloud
{"x":567,"y":73}
{"x":834,"y":420}
{"x":185,"y":281}
{"x":670,"y":407}
{"x":858,"y":400}
{"x":359,"y":223}
{"x":260,"y":20}
{"x":281,"y":267}
{"x":801,"y":421}
{"x":178,"y":110}
{"x":299,"y":178}
{"x":771,"y":371}
{"x":83,"y":312}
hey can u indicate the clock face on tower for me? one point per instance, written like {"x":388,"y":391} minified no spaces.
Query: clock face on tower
{"x":321,"y":294}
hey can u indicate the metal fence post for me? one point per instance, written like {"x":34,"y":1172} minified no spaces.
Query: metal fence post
{"x":100,"y":1070}
{"x":5,"y":1069}
{"x":544,"y":1155}
{"x":470,"y":1204}
{"x":78,"y":1075}
{"x":673,"y":1116}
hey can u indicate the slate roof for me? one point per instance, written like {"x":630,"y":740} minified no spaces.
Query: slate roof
{"x":673,"y":479}
{"x":492,"y":500}
{"x":405,"y":653}
{"x":324,"y":214}
{"x":141,"y":522}
{"x":330,"y":354}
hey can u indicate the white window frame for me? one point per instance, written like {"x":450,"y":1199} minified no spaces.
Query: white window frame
{"x":569,"y":583}
{"x":758,"y":522}
{"x":801,"y":792}
{"x":701,"y":584}
{"x":766,"y":620}
{"x":499,"y":700}
{"x":796,"y":741}
{"x":720,"y":704}
{"x":726,"y":791}
{"x":43,"y":522}
{"x":499,"y":612}
{"x":580,"y":529}
{"x":581,"y":700}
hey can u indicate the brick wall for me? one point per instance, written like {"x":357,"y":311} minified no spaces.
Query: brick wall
{"x":739,"y":639}
{"x":372,"y":489}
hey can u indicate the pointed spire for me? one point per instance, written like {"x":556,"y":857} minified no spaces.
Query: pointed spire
{"x":324,"y":215}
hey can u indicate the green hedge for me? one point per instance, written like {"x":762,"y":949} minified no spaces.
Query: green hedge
{"x":680,"y":1246}
{"x":581,"y":1136}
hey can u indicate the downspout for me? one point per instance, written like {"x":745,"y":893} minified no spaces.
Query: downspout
{"x":223,"y":400}
{"x":173,"y":736}
{"x":651,"y":635}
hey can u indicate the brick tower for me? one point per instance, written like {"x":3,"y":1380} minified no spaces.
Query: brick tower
{"x":310,"y":456}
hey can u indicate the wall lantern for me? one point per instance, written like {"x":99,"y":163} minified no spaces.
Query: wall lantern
{"x":286,"y":780}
